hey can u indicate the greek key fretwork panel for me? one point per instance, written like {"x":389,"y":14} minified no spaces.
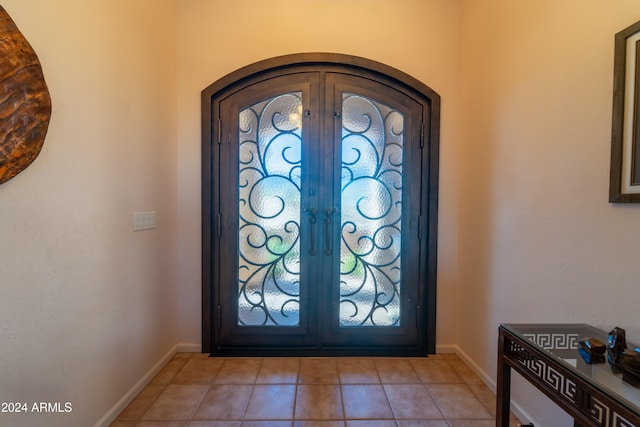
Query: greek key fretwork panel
{"x":554,"y":379}
{"x":619,"y":421}
{"x":600,"y":412}
{"x":555,"y":341}
{"x":607,"y":416}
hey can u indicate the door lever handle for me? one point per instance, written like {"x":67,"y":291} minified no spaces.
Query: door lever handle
{"x":328,"y":214}
{"x":313,"y":214}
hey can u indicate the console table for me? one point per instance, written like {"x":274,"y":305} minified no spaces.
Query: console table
{"x":547,"y":356}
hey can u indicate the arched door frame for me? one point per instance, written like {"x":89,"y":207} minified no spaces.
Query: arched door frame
{"x":295,"y":63}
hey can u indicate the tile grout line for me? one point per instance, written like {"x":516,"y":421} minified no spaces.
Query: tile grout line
{"x":344,"y":412}
{"x":195,"y":409}
{"x":395,"y":419}
{"x":341,"y":383}
{"x":253,"y":390}
{"x":164,"y":388}
{"x":295,"y":396}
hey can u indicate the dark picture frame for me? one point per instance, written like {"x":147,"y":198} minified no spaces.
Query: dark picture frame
{"x":624,"y":184}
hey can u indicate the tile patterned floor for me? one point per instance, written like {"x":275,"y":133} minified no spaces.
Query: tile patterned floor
{"x":194,"y":390}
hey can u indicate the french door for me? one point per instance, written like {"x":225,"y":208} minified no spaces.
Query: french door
{"x":319,"y":230}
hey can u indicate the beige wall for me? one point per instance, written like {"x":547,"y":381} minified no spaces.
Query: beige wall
{"x":421,"y":38}
{"x":526,"y":234}
{"x":538,"y":240}
{"x":87,"y":306}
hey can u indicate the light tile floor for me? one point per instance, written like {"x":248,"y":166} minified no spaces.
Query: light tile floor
{"x":194,"y":390}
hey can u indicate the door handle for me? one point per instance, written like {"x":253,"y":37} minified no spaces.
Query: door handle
{"x":328,"y":214}
{"x":313,"y":216}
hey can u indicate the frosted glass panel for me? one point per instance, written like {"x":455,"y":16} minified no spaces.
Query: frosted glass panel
{"x":371,"y":207}
{"x":269,"y":228}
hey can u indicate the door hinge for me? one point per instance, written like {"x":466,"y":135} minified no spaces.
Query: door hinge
{"x":422,"y":128}
{"x":219,"y":132}
{"x":219,"y":316}
{"x":419,"y":227}
{"x":219,"y":225}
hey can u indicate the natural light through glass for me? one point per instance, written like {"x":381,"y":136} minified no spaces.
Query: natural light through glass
{"x":371,"y":208}
{"x":269,"y":203}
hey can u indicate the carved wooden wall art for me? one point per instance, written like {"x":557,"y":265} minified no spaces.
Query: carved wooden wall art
{"x":25,"y":104}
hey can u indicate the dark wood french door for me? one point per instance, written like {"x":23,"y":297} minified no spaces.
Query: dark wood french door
{"x":319,"y":222}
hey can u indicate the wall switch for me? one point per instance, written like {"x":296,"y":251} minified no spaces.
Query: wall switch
{"x":144,"y":221}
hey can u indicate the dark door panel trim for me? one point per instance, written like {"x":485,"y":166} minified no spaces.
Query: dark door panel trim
{"x":420,"y":304}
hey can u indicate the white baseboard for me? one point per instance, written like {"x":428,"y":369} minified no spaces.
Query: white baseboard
{"x":446,"y":348}
{"x":189,"y":347}
{"x":489,"y":382}
{"x":486,"y":378}
{"x":133,"y":391}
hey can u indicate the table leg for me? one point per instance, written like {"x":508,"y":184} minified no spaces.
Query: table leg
{"x":503,"y":394}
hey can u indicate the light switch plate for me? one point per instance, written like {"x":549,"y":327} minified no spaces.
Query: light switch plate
{"x":144,"y":221}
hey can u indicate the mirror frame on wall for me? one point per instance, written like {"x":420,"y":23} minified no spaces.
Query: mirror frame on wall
{"x":624,"y":181}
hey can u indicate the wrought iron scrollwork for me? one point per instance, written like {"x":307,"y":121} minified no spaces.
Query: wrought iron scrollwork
{"x":371,"y":207}
{"x":270,"y":138}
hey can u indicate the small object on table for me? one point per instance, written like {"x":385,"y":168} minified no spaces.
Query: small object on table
{"x":616,"y":346}
{"x":592,"y":350}
{"x":593,"y":345}
{"x":631,"y":367}
{"x":590,"y":358}
{"x":631,"y":361}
